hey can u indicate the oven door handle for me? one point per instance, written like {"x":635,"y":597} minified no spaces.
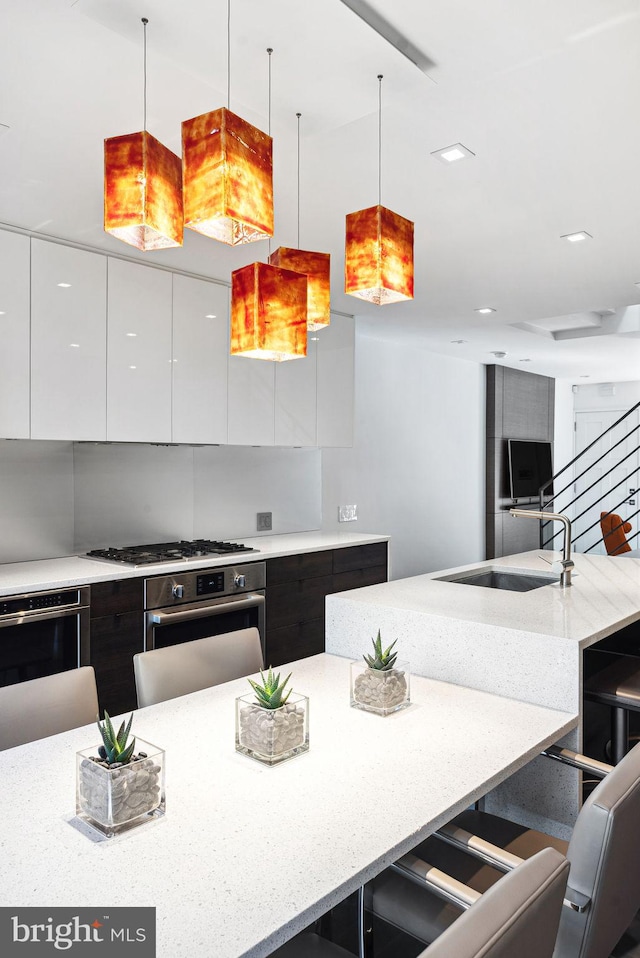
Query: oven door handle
{"x":23,"y":618}
{"x":202,"y":610}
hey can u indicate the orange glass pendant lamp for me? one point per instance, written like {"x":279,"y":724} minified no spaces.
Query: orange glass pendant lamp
{"x":142,"y":192}
{"x":142,"y":187}
{"x":268,"y":313}
{"x":378,"y":262}
{"x":227,"y":178}
{"x":317,"y":267}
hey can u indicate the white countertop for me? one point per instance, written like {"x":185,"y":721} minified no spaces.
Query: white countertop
{"x":246,"y":855}
{"x":604,"y":596}
{"x":69,"y":571}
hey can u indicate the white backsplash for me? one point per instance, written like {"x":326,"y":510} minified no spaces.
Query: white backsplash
{"x":60,"y":498}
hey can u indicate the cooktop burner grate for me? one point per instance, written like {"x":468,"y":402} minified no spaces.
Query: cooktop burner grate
{"x":170,"y":551}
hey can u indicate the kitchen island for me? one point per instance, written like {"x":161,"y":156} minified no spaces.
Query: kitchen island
{"x":528,"y":646}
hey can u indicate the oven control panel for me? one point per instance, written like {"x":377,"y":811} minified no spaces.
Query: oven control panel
{"x":167,"y":591}
{"x":210,"y":583}
{"x":38,"y":600}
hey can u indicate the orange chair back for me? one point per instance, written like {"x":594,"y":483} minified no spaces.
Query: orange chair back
{"x":613,"y":533}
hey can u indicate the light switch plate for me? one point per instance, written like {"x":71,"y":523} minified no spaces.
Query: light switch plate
{"x":347,"y":513}
{"x":265,"y":521}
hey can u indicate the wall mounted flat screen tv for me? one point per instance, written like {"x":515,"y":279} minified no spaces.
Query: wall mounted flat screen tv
{"x":530,"y":467}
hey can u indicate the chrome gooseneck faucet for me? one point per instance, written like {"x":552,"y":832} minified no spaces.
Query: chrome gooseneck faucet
{"x":566,"y":564}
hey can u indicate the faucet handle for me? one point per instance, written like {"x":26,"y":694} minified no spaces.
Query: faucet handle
{"x":561,"y":565}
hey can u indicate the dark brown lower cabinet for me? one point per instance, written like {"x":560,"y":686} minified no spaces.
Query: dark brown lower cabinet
{"x":297,"y":587}
{"x":117,"y":633}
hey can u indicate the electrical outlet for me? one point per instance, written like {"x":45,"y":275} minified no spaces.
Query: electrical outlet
{"x":264,"y":523}
{"x":347,"y":513}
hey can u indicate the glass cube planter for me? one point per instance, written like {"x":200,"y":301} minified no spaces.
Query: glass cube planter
{"x":272,"y":736}
{"x":114,"y":799}
{"x":383,"y":692}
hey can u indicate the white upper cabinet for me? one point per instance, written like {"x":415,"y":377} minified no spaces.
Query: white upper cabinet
{"x":336,"y":357}
{"x":200,"y":353}
{"x":139,"y":353}
{"x":251,"y":401}
{"x":295,"y":408}
{"x":68,"y":342}
{"x":14,"y":324}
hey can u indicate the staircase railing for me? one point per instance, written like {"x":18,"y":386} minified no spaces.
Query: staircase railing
{"x":572,"y":472}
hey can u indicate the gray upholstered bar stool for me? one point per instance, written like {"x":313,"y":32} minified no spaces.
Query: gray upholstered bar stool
{"x":603,"y":894}
{"x":41,"y":707}
{"x":617,"y":686}
{"x":519,"y":916}
{"x":163,"y":674}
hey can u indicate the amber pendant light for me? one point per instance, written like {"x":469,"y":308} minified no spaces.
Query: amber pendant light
{"x":227,"y":173}
{"x":142,"y":186}
{"x":316,"y":266}
{"x":268,"y":307}
{"x":378,"y":264}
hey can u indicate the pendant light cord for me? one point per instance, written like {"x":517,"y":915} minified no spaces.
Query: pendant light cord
{"x":269,"y":51}
{"x":144,"y":72}
{"x":228,"y":54}
{"x":298,"y":116}
{"x":379,"y":139}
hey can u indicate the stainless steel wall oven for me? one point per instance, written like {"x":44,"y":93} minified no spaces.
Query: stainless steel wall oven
{"x":42,"y":633}
{"x":192,"y":605}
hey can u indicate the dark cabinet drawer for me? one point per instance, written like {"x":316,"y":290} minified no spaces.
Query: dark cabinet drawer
{"x":359,"y":578}
{"x":109,"y":598}
{"x":115,"y":639}
{"x":360,"y":557}
{"x":294,"y":642}
{"x":297,"y":601}
{"x":309,"y":565}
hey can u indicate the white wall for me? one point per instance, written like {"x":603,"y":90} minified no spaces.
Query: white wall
{"x":598,"y":396}
{"x":416,"y":471}
{"x":563,"y":425}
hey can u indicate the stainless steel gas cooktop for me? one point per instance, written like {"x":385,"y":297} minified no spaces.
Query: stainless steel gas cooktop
{"x":183,"y":551}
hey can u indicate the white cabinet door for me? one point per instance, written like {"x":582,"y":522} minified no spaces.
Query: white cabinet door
{"x":251,"y":401}
{"x":68,"y":342}
{"x":139,"y":353}
{"x":336,"y":355}
{"x":295,"y":410}
{"x":200,"y":354}
{"x":14,"y":325}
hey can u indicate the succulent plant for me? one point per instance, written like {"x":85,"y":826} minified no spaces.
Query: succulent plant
{"x":383,"y":660}
{"x":115,"y":748}
{"x":269,"y":694}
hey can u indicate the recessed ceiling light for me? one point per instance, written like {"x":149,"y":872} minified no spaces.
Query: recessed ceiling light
{"x":64,"y":285}
{"x":210,"y":316}
{"x":451,"y":154}
{"x":576,"y":237}
{"x":637,"y":284}
{"x":585,"y":377}
{"x":132,"y":334}
{"x":314,"y":339}
{"x":484,"y":310}
{"x":498,"y":353}
{"x":74,"y":345}
{"x":2,"y":312}
{"x":525,"y":360}
{"x":459,"y":342}
{"x":133,"y":367}
{"x":4,"y":127}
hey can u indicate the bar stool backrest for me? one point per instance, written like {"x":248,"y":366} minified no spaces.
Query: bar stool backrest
{"x":518,"y":916}
{"x":163,"y":674}
{"x":41,"y":707}
{"x":604,"y":853}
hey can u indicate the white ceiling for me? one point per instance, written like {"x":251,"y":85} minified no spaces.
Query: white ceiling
{"x":546,"y":93}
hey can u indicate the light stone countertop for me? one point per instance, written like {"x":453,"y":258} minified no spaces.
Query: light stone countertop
{"x":246,"y":855}
{"x":70,"y":571}
{"x":604,"y":596}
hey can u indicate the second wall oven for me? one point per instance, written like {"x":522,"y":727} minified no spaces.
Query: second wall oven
{"x":195,"y":604}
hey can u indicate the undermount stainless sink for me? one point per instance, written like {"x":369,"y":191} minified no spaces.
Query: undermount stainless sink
{"x":494,"y":579}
